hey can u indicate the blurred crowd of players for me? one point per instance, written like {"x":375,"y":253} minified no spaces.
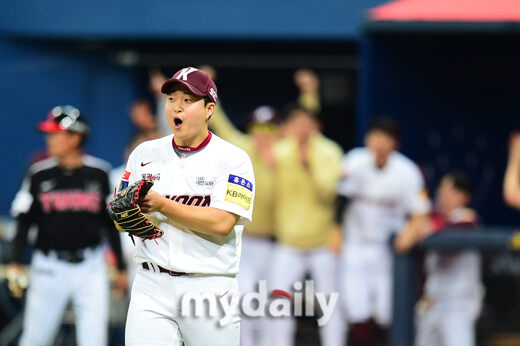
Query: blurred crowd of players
{"x":329,"y":216}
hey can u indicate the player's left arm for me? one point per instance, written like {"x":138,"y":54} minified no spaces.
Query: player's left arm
{"x":207,"y":220}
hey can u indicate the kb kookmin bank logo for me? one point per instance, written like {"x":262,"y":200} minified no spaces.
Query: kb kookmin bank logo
{"x":258,"y":304}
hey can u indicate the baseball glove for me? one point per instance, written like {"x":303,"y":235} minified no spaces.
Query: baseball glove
{"x":124,"y":210}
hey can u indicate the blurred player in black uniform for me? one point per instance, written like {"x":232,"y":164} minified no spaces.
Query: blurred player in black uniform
{"x":64,"y":196}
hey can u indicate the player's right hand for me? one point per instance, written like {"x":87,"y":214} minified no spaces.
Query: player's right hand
{"x":153,"y":201}
{"x":307,"y":81}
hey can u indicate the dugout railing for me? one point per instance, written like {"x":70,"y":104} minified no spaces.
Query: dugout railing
{"x":484,"y":239}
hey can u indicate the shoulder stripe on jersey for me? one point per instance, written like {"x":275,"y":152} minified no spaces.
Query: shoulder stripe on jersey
{"x":43,"y":164}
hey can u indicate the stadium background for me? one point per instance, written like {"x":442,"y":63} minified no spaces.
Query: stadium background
{"x":448,"y":71}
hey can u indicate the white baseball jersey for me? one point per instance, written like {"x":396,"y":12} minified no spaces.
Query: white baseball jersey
{"x":380,"y":198}
{"x":219,"y":175}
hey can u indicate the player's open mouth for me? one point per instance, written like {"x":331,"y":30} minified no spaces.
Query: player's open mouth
{"x":178,"y":122}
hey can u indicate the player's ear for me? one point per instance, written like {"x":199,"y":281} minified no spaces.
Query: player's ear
{"x":210,"y":108}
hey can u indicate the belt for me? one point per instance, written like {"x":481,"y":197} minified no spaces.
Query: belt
{"x":74,"y":256}
{"x":162,"y":270}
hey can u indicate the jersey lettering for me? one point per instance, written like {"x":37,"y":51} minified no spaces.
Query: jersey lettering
{"x":195,"y":200}
{"x":70,"y":201}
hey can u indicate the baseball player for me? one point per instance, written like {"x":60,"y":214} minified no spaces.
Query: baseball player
{"x":453,"y":290}
{"x":257,"y":240}
{"x":380,"y":187}
{"x":511,"y":181}
{"x":202,"y":196}
{"x":307,"y":170}
{"x":64,"y":196}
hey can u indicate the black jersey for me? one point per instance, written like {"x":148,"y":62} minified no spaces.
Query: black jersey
{"x":67,"y":205}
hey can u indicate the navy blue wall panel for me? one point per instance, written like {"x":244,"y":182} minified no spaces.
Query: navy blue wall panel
{"x":35,"y":78}
{"x":456,"y":98}
{"x":217,"y":19}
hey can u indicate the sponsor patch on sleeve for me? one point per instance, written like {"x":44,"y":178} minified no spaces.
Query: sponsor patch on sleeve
{"x":239,"y":191}
{"x":240,"y":181}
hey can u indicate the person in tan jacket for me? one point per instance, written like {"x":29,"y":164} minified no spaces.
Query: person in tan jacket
{"x":257,"y":239}
{"x":308,"y":166}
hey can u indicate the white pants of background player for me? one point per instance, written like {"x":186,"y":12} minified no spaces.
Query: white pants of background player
{"x":254,"y":266}
{"x":154,"y":316}
{"x":449,"y":322}
{"x":289,"y":265}
{"x":53,"y":283}
{"x":366,"y":270}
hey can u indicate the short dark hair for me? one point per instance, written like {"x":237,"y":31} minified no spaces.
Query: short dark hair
{"x":461,"y":181}
{"x":386,"y":125}
{"x":207,"y":100}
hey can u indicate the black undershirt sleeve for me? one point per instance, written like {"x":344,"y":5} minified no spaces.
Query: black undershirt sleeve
{"x":115,"y":241}
{"x":20,"y":240}
{"x":24,"y":222}
{"x":112,"y":233}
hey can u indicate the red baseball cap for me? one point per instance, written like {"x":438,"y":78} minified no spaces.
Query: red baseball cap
{"x":197,"y":81}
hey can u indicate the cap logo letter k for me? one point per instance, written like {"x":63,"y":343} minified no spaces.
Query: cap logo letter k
{"x":185,"y":72}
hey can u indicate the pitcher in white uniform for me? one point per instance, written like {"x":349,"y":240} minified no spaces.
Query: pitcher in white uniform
{"x":380,"y":188}
{"x":202,"y":196}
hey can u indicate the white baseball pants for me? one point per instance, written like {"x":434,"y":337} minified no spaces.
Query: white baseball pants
{"x":53,"y":283}
{"x":155,"y":317}
{"x":366,"y":287}
{"x":254,"y":266}
{"x":289,"y":265}
{"x":449,"y":322}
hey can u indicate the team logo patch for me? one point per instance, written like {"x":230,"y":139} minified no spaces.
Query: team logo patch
{"x":47,"y":185}
{"x":213,"y":94}
{"x":203,"y":182}
{"x":239,"y":191}
{"x":150,"y":176}
{"x":124,"y":180}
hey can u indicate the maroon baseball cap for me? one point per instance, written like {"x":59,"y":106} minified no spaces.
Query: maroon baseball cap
{"x":197,"y":81}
